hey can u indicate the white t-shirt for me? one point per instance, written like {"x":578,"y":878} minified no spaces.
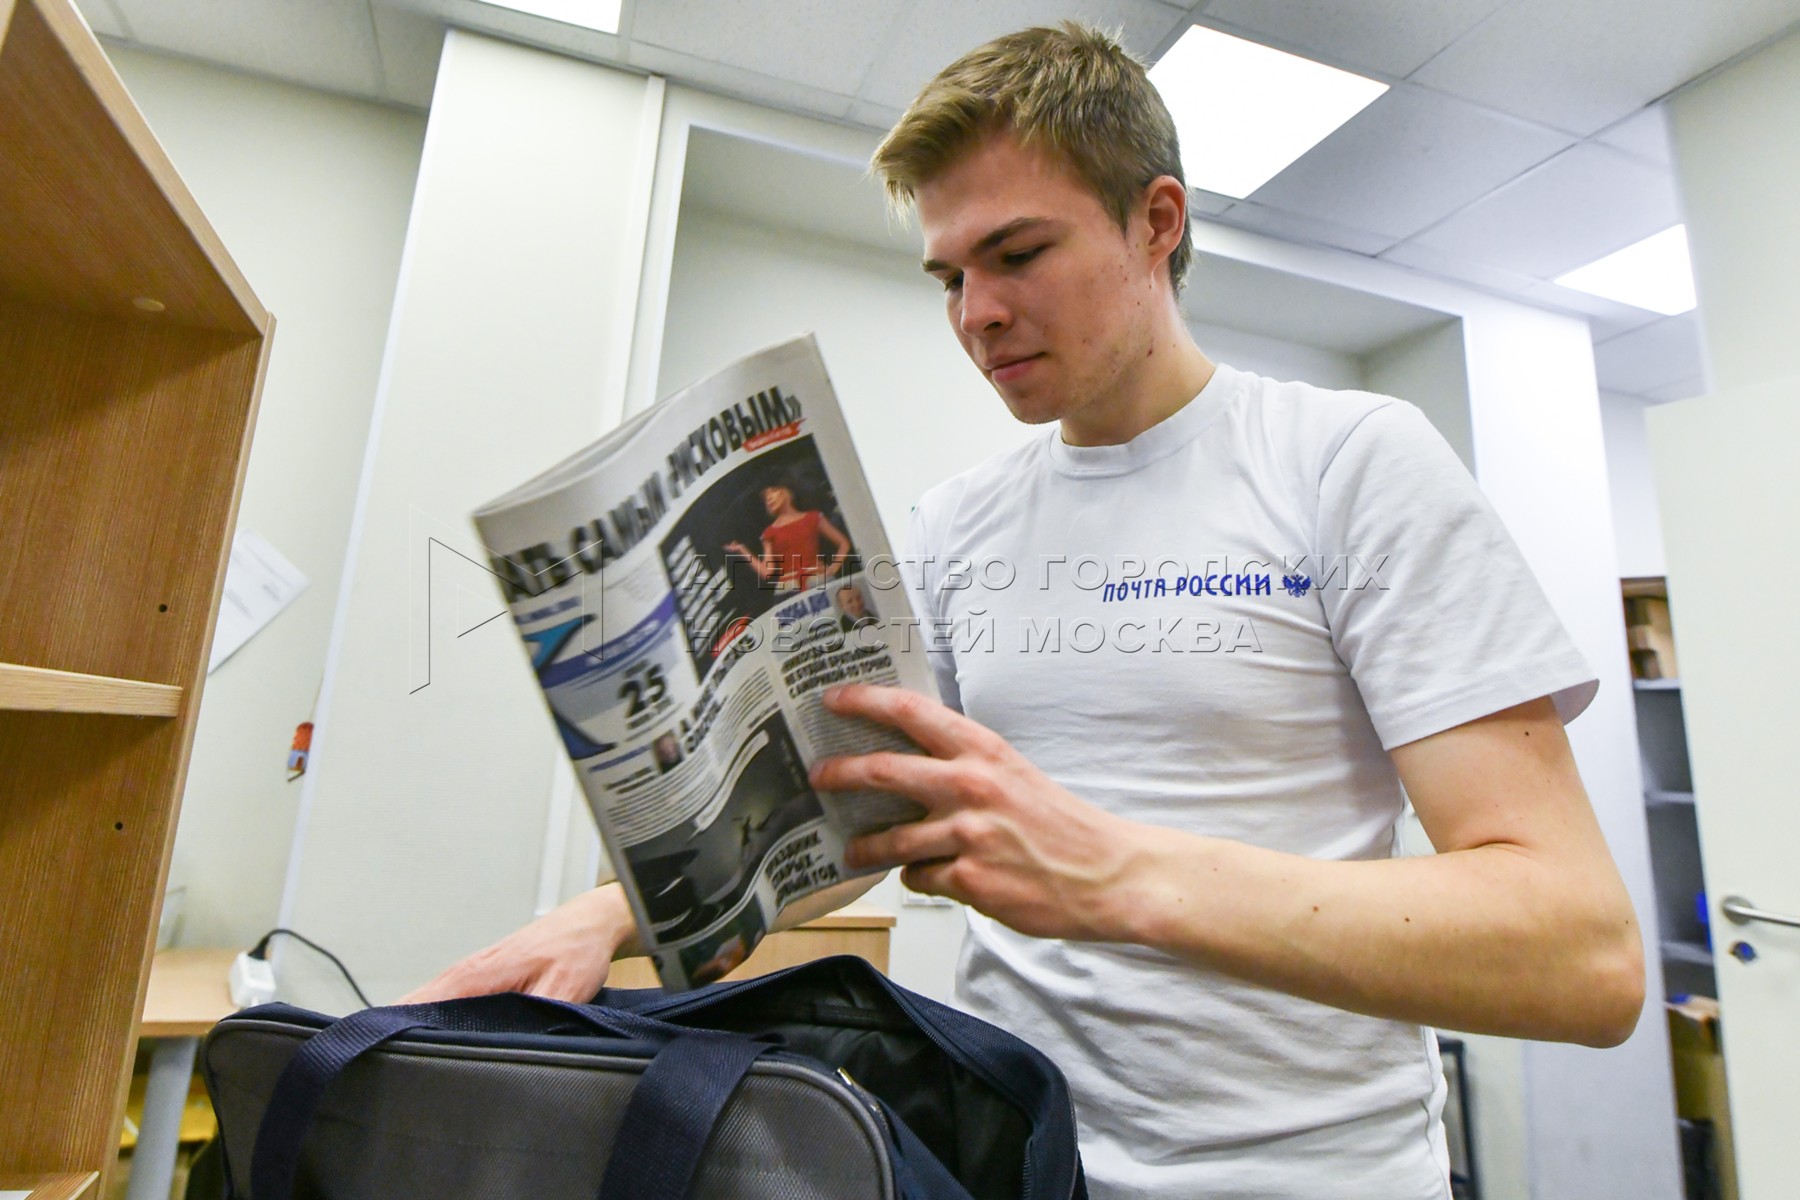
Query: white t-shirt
{"x":1222,"y":626}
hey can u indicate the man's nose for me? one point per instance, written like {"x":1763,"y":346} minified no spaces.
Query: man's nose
{"x":983,"y":308}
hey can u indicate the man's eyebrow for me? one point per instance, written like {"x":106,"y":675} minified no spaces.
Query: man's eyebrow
{"x":990,"y":241}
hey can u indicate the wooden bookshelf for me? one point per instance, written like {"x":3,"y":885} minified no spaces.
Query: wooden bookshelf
{"x":131,"y":356}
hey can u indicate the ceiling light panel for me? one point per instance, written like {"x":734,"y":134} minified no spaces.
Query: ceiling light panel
{"x":1245,"y":111}
{"x":589,"y":14}
{"x":1655,"y":274}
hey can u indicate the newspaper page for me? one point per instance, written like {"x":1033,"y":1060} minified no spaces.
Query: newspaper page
{"x":687,"y":589}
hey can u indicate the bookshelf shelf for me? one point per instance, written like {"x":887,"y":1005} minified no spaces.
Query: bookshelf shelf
{"x":35,"y":689}
{"x":50,"y":1187}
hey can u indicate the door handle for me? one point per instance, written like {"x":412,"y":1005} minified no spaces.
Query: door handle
{"x":1741,"y":912}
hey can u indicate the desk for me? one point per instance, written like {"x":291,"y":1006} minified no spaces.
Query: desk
{"x":859,"y":929}
{"x":187,"y":995}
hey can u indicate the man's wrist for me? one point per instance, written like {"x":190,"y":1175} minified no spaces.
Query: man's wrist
{"x":1154,"y":893}
{"x":615,"y":921}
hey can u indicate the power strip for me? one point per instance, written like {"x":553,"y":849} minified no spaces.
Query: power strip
{"x":252,"y":981}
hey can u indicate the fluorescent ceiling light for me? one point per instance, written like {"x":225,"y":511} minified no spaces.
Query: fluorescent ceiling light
{"x":1655,"y":274}
{"x":589,"y":14}
{"x":1244,"y":111}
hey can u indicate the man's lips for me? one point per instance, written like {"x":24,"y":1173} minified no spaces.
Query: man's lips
{"x":1007,"y":369}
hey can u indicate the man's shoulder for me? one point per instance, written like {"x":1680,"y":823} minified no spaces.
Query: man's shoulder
{"x":1308,"y":411}
{"x":1306,"y":424}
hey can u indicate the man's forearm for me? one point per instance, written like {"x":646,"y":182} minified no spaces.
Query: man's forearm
{"x":1487,"y":940}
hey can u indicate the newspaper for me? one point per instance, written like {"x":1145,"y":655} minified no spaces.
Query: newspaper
{"x":687,"y":589}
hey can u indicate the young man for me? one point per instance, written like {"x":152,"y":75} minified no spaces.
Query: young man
{"x":1170,"y":797}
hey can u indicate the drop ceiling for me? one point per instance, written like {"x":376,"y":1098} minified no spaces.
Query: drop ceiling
{"x":1519,"y":138}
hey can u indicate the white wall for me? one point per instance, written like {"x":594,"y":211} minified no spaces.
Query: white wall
{"x":1637,"y":525}
{"x":310,"y":193}
{"x":424,"y":819}
{"x":1278,"y":358}
{"x":1429,"y":369}
{"x":1737,"y":159}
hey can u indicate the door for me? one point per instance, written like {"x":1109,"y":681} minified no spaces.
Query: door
{"x":1726,"y":484}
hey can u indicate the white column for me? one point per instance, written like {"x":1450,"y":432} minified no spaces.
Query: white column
{"x":1599,"y":1122}
{"x":422,"y":825}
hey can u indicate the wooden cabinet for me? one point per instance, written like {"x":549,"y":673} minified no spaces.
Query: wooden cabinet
{"x":131,"y":354}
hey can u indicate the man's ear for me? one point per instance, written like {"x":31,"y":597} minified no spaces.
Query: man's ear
{"x":1163,"y":209}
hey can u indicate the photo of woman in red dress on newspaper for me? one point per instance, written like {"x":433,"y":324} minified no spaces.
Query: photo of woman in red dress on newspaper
{"x":794,"y":544}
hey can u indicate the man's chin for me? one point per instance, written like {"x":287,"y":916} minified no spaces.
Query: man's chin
{"x":1032,"y":409}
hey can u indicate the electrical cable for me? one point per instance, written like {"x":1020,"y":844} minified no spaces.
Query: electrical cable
{"x":261,"y":950}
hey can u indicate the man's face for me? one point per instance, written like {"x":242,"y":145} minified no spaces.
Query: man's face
{"x":851,"y":601}
{"x":1042,"y":287}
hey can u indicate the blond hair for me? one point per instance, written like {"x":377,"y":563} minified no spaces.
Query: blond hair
{"x":1073,"y":90}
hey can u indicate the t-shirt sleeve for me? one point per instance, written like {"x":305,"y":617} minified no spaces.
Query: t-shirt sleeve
{"x":1434,"y":610}
{"x":917,"y":562}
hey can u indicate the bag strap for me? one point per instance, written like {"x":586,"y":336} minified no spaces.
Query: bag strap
{"x":300,"y":1087}
{"x":672,"y":1112}
{"x":920,"y":1174}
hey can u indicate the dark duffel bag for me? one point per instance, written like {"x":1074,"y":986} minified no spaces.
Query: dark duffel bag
{"x":822,"y":1082}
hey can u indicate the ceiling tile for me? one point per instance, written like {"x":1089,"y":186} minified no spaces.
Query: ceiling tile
{"x":735,"y":81}
{"x":1373,"y":35}
{"x":1450,"y":266}
{"x":1409,"y":159}
{"x":325,"y":43}
{"x":934,"y":32}
{"x":573,"y":40}
{"x":410,"y":44}
{"x":1581,"y":205}
{"x":103,"y":18}
{"x":1246,"y":214}
{"x":1644,"y":133}
{"x":1652,"y":357}
{"x":823,"y":44}
{"x":1582,"y":66}
{"x":1606,"y":318}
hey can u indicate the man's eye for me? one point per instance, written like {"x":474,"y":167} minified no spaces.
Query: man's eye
{"x":1018,"y":258}
{"x":952,"y":282}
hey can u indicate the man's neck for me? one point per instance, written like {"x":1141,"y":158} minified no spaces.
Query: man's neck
{"x":1172,"y":374}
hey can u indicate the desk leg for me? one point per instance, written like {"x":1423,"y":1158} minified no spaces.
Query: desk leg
{"x":159,"y":1136}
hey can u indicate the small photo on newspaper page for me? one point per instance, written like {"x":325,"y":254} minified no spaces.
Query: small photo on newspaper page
{"x":687,"y":589}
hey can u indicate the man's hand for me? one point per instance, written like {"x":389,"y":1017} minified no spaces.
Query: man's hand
{"x":564,"y":954}
{"x":998,"y":834}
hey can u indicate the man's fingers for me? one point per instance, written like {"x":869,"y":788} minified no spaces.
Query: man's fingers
{"x":941,"y":731}
{"x":903,"y":844}
{"x":932,"y":879}
{"x":926,"y":780}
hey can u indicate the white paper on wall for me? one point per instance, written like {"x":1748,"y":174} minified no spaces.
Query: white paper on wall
{"x":259,"y":583}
